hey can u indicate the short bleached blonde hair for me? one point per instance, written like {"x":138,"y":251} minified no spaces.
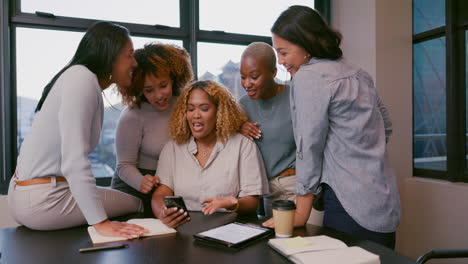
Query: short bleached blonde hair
{"x":229,"y":115}
{"x":263,"y":50}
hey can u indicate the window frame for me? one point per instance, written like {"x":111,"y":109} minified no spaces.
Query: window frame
{"x":456,"y":23}
{"x":11,"y":18}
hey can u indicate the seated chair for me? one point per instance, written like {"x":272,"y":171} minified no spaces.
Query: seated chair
{"x":442,"y":254}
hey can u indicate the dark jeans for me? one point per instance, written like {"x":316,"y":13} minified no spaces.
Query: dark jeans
{"x":337,"y":218}
{"x":120,"y":185}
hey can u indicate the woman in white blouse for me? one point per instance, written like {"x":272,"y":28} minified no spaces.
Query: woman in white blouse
{"x":208,"y":162}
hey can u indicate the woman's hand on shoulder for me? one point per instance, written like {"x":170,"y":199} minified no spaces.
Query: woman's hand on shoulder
{"x":119,"y":229}
{"x":173,"y":217}
{"x":148,"y":183}
{"x":227,"y":202}
{"x":251,"y":130}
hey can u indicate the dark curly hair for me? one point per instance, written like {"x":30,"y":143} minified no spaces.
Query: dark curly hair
{"x":229,"y":115}
{"x":158,"y":59}
{"x":305,"y":27}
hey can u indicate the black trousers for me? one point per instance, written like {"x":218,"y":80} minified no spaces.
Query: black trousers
{"x":120,"y":185}
{"x":337,"y":218}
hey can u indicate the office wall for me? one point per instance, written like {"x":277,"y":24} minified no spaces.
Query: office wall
{"x":378,"y":37}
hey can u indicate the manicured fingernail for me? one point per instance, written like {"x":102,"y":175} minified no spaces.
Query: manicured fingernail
{"x":185,"y":213}
{"x":181,"y":210}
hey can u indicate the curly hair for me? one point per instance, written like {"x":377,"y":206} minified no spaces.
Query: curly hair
{"x":229,"y":115}
{"x":158,"y":59}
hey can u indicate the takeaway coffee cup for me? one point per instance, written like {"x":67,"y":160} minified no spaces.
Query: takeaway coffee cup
{"x":283,"y":216}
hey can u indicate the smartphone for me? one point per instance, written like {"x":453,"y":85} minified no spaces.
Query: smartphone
{"x":175,"y":201}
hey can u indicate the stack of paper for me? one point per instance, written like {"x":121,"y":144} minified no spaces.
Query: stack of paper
{"x":155,"y":227}
{"x":321,"y":249}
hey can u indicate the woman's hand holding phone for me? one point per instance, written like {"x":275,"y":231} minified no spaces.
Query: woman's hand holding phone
{"x":175,"y":212}
{"x":173,"y":217}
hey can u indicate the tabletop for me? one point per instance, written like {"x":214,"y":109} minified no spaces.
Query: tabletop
{"x":23,"y":245}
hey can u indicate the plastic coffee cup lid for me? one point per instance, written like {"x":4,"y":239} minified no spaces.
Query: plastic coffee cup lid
{"x":283,"y":205}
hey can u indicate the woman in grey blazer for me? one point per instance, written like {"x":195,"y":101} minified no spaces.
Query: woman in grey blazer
{"x":340,"y":128}
{"x":53,"y":186}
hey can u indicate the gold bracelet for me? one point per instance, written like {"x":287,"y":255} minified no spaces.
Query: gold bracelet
{"x":237,"y":207}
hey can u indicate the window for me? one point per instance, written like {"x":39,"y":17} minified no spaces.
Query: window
{"x":144,"y":11}
{"x":244,"y":16}
{"x":428,"y":15}
{"x":32,"y":79}
{"x":221,"y":62}
{"x":430,"y":140}
{"x":439,"y":89}
{"x":34,"y":47}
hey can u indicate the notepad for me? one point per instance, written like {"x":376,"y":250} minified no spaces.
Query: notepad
{"x":290,"y":246}
{"x":155,"y":227}
{"x":349,"y":255}
{"x":321,"y":249}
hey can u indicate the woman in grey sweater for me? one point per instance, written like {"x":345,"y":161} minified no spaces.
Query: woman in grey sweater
{"x":53,"y":186}
{"x":162,"y":71}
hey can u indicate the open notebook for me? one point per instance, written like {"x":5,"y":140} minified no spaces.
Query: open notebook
{"x":321,"y":249}
{"x":155,"y":227}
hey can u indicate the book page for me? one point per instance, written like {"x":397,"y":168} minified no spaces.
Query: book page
{"x":155,"y":227}
{"x":98,"y":238}
{"x":289,"y":246}
{"x":351,"y":255}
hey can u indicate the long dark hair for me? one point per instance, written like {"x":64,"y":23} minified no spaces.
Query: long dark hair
{"x":305,"y":27}
{"x":97,"y":51}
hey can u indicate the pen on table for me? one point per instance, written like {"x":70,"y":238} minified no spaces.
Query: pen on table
{"x":103,"y":248}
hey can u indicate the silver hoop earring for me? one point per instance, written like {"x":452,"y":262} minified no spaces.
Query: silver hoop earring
{"x":110,"y":77}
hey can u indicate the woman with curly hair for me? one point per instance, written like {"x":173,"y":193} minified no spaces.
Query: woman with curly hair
{"x":143,"y":129}
{"x":208,"y":162}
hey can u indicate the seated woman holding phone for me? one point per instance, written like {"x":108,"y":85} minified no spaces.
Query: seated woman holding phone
{"x":208,"y":162}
